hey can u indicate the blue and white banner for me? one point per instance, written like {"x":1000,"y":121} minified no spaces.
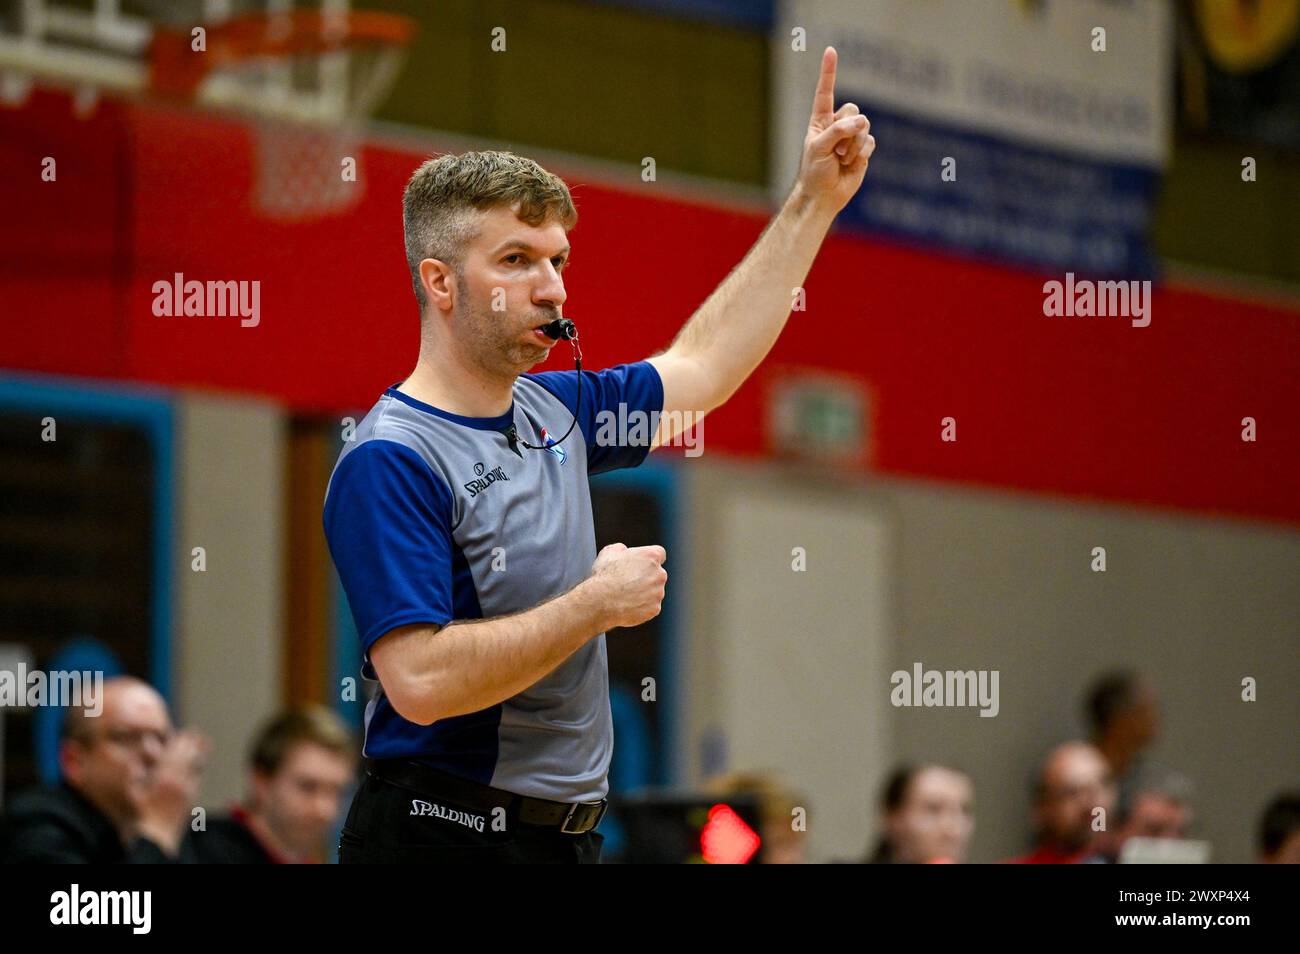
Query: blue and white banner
{"x":1024,"y":131}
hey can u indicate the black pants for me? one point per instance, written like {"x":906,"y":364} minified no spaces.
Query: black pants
{"x":392,"y":825}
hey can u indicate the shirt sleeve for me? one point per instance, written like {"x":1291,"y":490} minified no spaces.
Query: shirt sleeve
{"x":388,"y":524}
{"x":619,"y":413}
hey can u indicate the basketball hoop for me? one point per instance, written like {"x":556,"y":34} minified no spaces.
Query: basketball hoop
{"x":310,"y":78}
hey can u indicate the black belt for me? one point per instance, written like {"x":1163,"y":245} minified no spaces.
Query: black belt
{"x":572,"y":818}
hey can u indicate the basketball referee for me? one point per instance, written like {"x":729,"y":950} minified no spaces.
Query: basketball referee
{"x":460,"y":519}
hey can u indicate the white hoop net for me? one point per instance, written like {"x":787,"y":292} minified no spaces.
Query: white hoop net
{"x":306,"y":171}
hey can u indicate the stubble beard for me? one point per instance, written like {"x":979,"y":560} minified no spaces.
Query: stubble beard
{"x":493,"y":344}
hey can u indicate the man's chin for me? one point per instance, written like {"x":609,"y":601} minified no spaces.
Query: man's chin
{"x":526,"y":362}
{"x":131,"y":795}
{"x":305,"y":844}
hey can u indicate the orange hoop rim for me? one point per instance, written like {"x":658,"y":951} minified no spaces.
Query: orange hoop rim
{"x":175,"y":69}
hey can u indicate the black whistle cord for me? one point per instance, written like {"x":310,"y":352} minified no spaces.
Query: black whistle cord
{"x":561,"y":328}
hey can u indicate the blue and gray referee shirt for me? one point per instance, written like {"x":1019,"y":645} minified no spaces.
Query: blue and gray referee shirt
{"x":433,"y":517}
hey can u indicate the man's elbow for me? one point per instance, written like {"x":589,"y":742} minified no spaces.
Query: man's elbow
{"x":410,"y":705}
{"x":697,"y":382}
{"x":411,"y":693}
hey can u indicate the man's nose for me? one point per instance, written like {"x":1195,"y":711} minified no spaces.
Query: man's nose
{"x":151,"y":749}
{"x":325,"y":809}
{"x":550,"y":288}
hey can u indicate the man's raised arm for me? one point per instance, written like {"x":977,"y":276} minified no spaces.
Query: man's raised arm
{"x":735,"y":328}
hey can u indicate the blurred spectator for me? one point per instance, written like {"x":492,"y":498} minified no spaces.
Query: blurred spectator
{"x":300,"y":767}
{"x":129,"y":782}
{"x":1124,"y":719}
{"x":1074,"y":783}
{"x":1279,"y":831}
{"x":1160,"y":808}
{"x":927,"y":815}
{"x":782,"y":843}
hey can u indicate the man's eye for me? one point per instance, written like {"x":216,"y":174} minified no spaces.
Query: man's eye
{"x":512,"y":258}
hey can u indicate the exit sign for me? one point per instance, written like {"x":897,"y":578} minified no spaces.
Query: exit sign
{"x":818,"y":417}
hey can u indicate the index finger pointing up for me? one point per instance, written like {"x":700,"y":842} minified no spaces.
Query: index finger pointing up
{"x":824,"y":98}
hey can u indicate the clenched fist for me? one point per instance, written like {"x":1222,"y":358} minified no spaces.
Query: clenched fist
{"x":630,"y":582}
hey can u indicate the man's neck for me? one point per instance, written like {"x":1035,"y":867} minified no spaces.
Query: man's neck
{"x":261,"y":827}
{"x":451,"y":387}
{"x":1118,"y":753}
{"x":1059,"y":851}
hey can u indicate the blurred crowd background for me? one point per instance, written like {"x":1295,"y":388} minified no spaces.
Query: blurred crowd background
{"x":1114,"y":530}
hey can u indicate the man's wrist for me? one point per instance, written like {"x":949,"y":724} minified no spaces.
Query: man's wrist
{"x":166,"y":837}
{"x":591,"y":603}
{"x":805,"y":206}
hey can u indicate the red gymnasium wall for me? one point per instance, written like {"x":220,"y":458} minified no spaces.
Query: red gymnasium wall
{"x":1090,"y":407}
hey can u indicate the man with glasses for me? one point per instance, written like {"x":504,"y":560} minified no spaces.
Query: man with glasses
{"x":1074,"y":796}
{"x":129,"y":782}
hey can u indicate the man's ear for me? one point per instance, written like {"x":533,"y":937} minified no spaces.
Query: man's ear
{"x":439,"y":283}
{"x":259,"y":786}
{"x":890,"y":824}
{"x":70,"y":760}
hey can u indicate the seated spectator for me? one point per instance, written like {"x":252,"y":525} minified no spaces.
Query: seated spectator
{"x":1159,"y":809}
{"x":300,"y":767}
{"x":782,"y":843}
{"x":927,"y":816}
{"x":129,"y":784}
{"x":1074,"y":782}
{"x":1125,"y":719}
{"x":1279,"y":831}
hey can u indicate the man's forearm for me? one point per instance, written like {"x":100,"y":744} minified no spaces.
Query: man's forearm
{"x":469,"y":666}
{"x":737,"y":325}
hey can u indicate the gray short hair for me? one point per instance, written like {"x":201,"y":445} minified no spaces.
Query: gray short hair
{"x":439,"y":203}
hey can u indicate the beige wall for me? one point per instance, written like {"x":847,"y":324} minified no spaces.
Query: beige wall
{"x":226,"y":663}
{"x":781,"y":653}
{"x":982,"y":580}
